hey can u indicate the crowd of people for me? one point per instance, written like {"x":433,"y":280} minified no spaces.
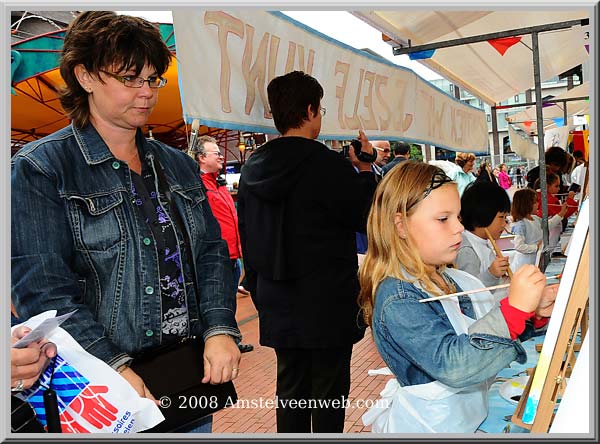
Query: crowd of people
{"x":148,"y":247}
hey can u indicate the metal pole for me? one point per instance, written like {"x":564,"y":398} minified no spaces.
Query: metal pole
{"x":494,"y":35}
{"x":541,"y":150}
{"x":496,"y":148}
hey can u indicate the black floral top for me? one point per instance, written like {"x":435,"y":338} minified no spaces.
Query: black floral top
{"x":166,"y":234}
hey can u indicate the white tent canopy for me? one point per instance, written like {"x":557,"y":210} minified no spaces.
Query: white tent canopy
{"x":576,"y":107}
{"x":478,"y":67}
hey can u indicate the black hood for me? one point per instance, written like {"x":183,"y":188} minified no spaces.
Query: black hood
{"x":274,"y":168}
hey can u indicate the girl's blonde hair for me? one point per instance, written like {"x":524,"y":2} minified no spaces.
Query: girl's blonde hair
{"x":400,"y":191}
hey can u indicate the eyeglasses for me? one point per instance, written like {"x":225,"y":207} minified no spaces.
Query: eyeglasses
{"x":138,"y":82}
{"x":385,"y":150}
{"x":438,"y":179}
{"x":216,"y":153}
{"x":323,"y":111}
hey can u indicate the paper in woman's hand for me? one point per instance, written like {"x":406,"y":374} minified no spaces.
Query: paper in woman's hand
{"x":42,"y":331}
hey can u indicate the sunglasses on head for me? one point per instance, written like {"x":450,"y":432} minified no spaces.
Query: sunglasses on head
{"x":438,"y":179}
{"x":385,"y":150}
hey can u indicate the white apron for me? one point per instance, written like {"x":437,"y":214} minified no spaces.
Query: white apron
{"x":486,"y":254}
{"x":435,"y":407}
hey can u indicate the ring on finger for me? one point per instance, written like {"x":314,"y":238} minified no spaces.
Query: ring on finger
{"x":19,"y":387}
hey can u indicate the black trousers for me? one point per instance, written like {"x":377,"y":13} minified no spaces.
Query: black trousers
{"x":312,"y":387}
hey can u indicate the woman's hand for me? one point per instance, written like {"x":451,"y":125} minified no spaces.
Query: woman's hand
{"x":138,"y":384}
{"x":221,"y":359}
{"x":27,"y":364}
{"x":499,"y":267}
{"x":526,"y":288}
{"x":546,"y":305}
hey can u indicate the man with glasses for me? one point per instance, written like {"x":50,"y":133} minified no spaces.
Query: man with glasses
{"x":210,"y":159}
{"x":383,"y":155}
{"x":300,"y":204}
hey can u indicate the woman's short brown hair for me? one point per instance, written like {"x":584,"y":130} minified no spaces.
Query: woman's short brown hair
{"x":522,"y":204}
{"x":103,"y":40}
{"x":462,"y":158}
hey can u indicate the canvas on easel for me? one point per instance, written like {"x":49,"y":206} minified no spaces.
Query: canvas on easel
{"x":536,"y":406}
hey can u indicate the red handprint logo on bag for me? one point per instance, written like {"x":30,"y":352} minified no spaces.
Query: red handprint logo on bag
{"x":69,"y":425}
{"x":93,"y":407}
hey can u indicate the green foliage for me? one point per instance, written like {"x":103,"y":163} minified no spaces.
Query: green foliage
{"x":416,"y":153}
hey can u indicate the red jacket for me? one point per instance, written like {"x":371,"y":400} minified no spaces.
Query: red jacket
{"x":554,"y":206}
{"x":222,"y":206}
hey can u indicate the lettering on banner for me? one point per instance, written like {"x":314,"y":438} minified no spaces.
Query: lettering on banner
{"x":371,"y":111}
{"x":384,"y":122}
{"x":255,"y":76}
{"x":259,"y":69}
{"x":401,"y":121}
{"x":225,"y":24}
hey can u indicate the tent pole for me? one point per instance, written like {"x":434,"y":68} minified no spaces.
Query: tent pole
{"x":541,"y":150}
{"x":496,"y":148}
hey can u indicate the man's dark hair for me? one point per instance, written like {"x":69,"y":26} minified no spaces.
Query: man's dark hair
{"x":481,"y":202}
{"x":555,"y":155}
{"x":103,"y":40}
{"x":577,"y":154}
{"x":401,"y":149}
{"x":289,"y":98}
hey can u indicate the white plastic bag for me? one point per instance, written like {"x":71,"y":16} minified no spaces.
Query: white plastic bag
{"x":92,"y":397}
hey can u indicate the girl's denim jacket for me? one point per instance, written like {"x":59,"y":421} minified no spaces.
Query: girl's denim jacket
{"x":419,"y":344}
{"x":78,"y":243}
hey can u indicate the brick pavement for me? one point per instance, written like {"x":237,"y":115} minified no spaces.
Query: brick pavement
{"x":258,"y":375}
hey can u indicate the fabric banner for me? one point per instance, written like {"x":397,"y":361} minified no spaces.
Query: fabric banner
{"x":522,"y":145}
{"x":226,"y":60}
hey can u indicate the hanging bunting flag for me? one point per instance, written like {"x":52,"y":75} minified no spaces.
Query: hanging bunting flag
{"x":420,"y":55}
{"x":502,"y":45}
{"x":587,"y":48}
{"x":559,"y":121}
{"x":527,"y":124}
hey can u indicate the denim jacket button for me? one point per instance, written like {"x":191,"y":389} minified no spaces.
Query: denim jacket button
{"x":149,"y":290}
{"x":147,"y":241}
{"x":149,"y":333}
{"x":116,"y":165}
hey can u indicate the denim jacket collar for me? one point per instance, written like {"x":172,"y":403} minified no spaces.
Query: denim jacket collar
{"x":95,"y":150}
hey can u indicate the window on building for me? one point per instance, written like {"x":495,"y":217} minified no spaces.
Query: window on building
{"x":488,"y":117}
{"x":451,"y":88}
{"x":517,"y":98}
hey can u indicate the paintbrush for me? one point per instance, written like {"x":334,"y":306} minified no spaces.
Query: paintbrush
{"x":497,"y":250}
{"x":477,"y":290}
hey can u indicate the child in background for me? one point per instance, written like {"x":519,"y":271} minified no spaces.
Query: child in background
{"x":484,"y":206}
{"x":555,"y":205}
{"x":527,"y":226}
{"x":442,"y":353}
{"x":503,"y":177}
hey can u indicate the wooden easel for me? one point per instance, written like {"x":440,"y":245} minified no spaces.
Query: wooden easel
{"x":563,"y":357}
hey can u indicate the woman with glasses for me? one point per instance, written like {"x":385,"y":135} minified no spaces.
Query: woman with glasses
{"x":444,"y":352}
{"x":115,"y":225}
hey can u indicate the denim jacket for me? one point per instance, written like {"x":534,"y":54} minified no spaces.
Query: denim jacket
{"x":78,"y":243}
{"x":419,"y":344}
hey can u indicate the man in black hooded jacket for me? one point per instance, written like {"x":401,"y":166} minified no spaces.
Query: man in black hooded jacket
{"x":299,"y":206}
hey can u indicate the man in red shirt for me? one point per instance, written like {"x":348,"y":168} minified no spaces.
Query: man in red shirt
{"x":209,"y":158}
